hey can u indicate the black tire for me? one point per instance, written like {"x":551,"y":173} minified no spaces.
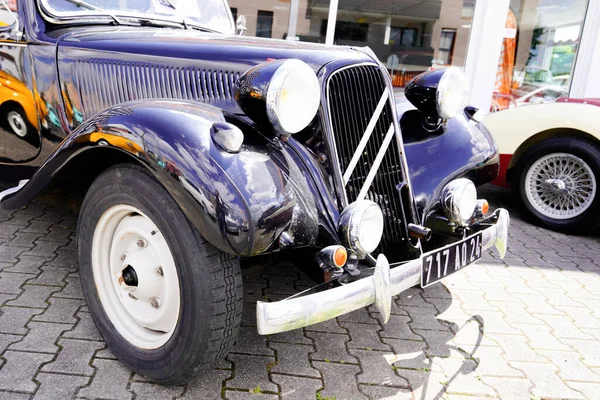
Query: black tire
{"x":26,"y":129}
{"x":210,"y":281}
{"x":583,"y":149}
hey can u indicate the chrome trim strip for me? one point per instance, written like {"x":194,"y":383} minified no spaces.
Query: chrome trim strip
{"x":366,"y":136}
{"x":380,"y":154}
{"x":298,"y":312}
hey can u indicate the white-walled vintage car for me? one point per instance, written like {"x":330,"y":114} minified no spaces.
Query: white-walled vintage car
{"x":550,"y":157}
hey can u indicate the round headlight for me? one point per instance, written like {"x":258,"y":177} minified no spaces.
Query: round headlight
{"x":293,"y":97}
{"x":453,"y":93}
{"x":459,"y":199}
{"x":361,"y":226}
{"x":284,"y":93}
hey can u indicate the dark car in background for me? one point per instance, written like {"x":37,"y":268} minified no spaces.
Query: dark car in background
{"x":198,"y":149}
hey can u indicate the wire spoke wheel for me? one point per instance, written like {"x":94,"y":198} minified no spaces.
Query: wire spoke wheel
{"x":560,"y":186}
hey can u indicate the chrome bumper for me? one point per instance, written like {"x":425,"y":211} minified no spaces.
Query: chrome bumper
{"x":378,"y":289}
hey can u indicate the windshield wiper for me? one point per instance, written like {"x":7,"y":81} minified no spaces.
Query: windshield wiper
{"x":89,"y":6}
{"x":169,"y":4}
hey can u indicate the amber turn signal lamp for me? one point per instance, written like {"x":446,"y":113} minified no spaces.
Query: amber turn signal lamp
{"x":334,"y":256}
{"x":485,"y":207}
{"x":482,"y":207}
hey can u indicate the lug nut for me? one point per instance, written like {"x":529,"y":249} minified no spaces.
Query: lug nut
{"x":123,"y":256}
{"x":132,"y":296}
{"x":159,"y":271}
{"x":155,"y":302}
{"x":142,"y":243}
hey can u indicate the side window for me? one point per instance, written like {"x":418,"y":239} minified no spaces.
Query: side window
{"x":8,"y":12}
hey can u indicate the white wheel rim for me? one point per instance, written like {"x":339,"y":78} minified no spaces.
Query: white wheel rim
{"x":146,"y":315}
{"x":560,"y":186}
{"x":17,"y":123}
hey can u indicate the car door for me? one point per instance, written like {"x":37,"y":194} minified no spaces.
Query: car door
{"x":19,"y":122}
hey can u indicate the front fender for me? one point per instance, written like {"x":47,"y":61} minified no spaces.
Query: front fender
{"x":241,"y":202}
{"x":460,"y":149}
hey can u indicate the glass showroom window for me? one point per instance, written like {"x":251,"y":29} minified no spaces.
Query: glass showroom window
{"x":408,"y":36}
{"x":538,"y":52}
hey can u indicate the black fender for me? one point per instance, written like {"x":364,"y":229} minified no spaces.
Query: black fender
{"x":460,"y":147}
{"x":240,"y":202}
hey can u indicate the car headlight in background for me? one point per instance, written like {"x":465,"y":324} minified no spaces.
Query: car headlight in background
{"x":452,"y":93}
{"x":285,"y":94}
{"x":361,"y":226}
{"x":459,"y":199}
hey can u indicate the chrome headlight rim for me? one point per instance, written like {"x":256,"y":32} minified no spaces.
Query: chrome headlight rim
{"x":276,"y":90}
{"x":459,"y":200}
{"x":351,"y":225}
{"x":452,"y":94}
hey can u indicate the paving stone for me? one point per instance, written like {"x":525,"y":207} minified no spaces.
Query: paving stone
{"x":60,"y":310}
{"x":510,"y":388}
{"x":41,"y":337}
{"x":42,"y":248}
{"x":462,"y":378}
{"x":386,"y":392}
{"x":516,"y":348}
{"x":72,"y":290}
{"x":51,"y":276}
{"x":11,"y":282}
{"x":582,"y":317}
{"x":84,"y":329}
{"x":14,"y":319}
{"x":59,"y":234}
{"x":4,"y":395}
{"x":364,"y":336}
{"x":249,"y":313}
{"x":475,"y":299}
{"x":409,"y":354}
{"x":37,"y":226}
{"x":424,"y":318}
{"x":74,"y":358}
{"x":398,"y":328}
{"x":571,"y":367}
{"x":377,"y":368}
{"x":250,"y":342}
{"x":26,"y":240}
{"x":293,"y":359}
{"x":516,"y":313}
{"x":297,"y":336}
{"x":563,"y":327}
{"x":64,"y":258}
{"x":250,"y":372}
{"x":438,"y":342}
{"x":339,"y":380}
{"x":331,"y":346}
{"x":17,"y":373}
{"x":589,"y":350}
{"x":6,"y":340}
{"x":297,"y":388}
{"x":331,"y":325}
{"x":9,"y":254}
{"x":361,"y":316}
{"x":207,"y":386}
{"x":28,"y":264}
{"x":110,"y":381}
{"x":546,"y":382}
{"x":20,"y":219}
{"x":105,"y":353}
{"x":536,"y":304}
{"x":470,"y":332}
{"x":152,"y":391}
{"x":33,"y":296}
{"x":56,"y":386}
{"x":589,"y":390}
{"x":425,"y":385}
{"x":8,"y":231}
{"x":541,"y":337}
{"x":237,"y":395}
{"x":492,"y":363}
{"x":493,"y":322}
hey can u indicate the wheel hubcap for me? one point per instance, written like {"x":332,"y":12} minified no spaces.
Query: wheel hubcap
{"x":136,"y":277}
{"x":17,"y":124}
{"x":560,"y":186}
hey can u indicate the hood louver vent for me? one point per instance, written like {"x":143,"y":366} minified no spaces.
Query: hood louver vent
{"x":104,"y":84}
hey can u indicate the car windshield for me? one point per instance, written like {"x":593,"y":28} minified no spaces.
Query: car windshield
{"x":211,"y":14}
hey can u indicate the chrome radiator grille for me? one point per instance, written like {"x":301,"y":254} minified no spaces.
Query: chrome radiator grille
{"x":362,"y":123}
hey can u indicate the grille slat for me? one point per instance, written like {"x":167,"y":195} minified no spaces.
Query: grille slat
{"x":353,"y":95}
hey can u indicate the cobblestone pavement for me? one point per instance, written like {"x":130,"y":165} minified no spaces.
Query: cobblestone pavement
{"x":527,"y":327}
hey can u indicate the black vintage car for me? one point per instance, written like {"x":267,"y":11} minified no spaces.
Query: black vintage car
{"x":198,"y":149}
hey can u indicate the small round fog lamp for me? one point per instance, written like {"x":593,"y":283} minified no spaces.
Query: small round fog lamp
{"x":459,"y":198}
{"x":361,"y":226}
